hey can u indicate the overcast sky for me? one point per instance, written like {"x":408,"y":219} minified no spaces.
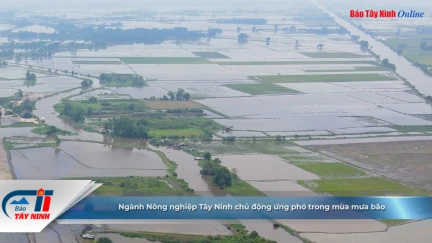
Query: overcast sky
{"x":104,"y":4}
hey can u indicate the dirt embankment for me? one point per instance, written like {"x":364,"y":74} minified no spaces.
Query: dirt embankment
{"x":5,"y":172}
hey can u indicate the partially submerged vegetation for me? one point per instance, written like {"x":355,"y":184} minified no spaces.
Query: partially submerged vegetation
{"x":370,"y":186}
{"x":121,"y":80}
{"x":184,"y":238}
{"x":324,"y":78}
{"x":257,"y":89}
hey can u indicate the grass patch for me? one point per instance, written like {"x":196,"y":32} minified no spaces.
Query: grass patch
{"x":257,"y":89}
{"x":50,"y":130}
{"x":375,"y":186}
{"x":173,"y":104}
{"x":8,"y":145}
{"x":186,"y":238}
{"x":22,"y":124}
{"x":188,"y":133}
{"x":164,"y":60}
{"x":105,"y":106}
{"x":407,"y":129}
{"x":357,"y":69}
{"x":139,"y":186}
{"x":333,"y":55}
{"x":332,"y":170}
{"x":209,"y":55}
{"x":242,"y":188}
{"x":293,"y":62}
{"x":324,"y":78}
{"x":267,"y":146}
{"x":98,"y":62}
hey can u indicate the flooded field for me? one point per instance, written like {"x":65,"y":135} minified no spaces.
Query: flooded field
{"x":119,"y":238}
{"x":264,"y":168}
{"x":408,"y":161}
{"x":397,"y":234}
{"x":207,"y":227}
{"x":5,"y":172}
{"x":71,"y":161}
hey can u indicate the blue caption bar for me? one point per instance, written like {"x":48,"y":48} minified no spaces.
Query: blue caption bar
{"x":414,"y":208}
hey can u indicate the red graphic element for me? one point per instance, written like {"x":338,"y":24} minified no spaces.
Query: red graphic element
{"x":41,"y":192}
{"x":46,"y":204}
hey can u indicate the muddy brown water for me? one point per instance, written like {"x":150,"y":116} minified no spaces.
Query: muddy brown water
{"x":45,"y":109}
{"x":188,"y":169}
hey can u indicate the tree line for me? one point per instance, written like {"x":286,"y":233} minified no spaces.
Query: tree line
{"x":68,"y":31}
{"x":220,"y":175}
{"x":257,"y":21}
{"x":136,"y":80}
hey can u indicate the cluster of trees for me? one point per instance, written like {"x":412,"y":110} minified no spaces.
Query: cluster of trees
{"x":386,"y":63}
{"x":221,"y":176}
{"x":87,"y":83}
{"x":256,"y":21}
{"x":242,"y":38}
{"x":425,"y":47}
{"x":186,"y":110}
{"x":229,"y":139}
{"x":179,"y":95}
{"x":75,"y":113}
{"x":424,"y":29}
{"x":364,"y":44}
{"x":127,"y":127}
{"x":68,"y":31}
{"x":7,"y":53}
{"x":30,"y":76}
{"x":136,"y":80}
{"x":213,"y":32}
{"x":355,"y":37}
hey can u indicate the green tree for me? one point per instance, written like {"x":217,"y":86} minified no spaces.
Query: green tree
{"x":104,"y":240}
{"x":222,"y":177}
{"x":179,"y":94}
{"x":93,"y":100}
{"x":186,"y":96}
{"x":207,"y":156}
{"x":19,"y":94}
{"x":171,"y":95}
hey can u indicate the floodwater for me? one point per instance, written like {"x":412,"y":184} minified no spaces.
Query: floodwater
{"x":196,"y":227}
{"x":188,"y":170}
{"x":264,"y":168}
{"x":51,"y":163}
{"x":119,"y":238}
{"x":45,"y":109}
{"x":13,"y":238}
{"x":418,"y":232}
{"x":413,"y":74}
{"x":99,"y":155}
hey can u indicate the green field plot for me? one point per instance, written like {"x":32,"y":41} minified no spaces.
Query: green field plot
{"x":257,"y":89}
{"x":357,"y":69}
{"x":375,"y":186}
{"x":333,"y":55}
{"x":323,"y":78}
{"x":97,"y":62}
{"x":210,"y":55}
{"x":332,"y":170}
{"x":164,"y":60}
{"x":293,"y":62}
{"x":189,"y":132}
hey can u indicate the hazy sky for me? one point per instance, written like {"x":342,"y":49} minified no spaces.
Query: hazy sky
{"x":104,"y":4}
